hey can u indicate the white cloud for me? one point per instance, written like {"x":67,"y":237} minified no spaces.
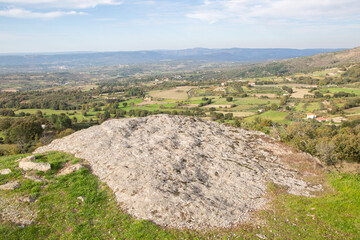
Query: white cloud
{"x":21,"y":13}
{"x":216,"y":10}
{"x":75,"y":4}
{"x":145,"y":2}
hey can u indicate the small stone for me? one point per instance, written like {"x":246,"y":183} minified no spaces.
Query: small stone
{"x":10,"y":185}
{"x":5,"y":171}
{"x":27,"y":199}
{"x":261,"y":236}
{"x":70,"y":169}
{"x":34,"y":178}
{"x":27,"y":159}
{"x":81,"y":198}
{"x":39,"y":166}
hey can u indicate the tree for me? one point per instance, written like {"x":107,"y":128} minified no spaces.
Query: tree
{"x":274,"y":107}
{"x":5,"y":123}
{"x":105,"y":116}
{"x":237,"y":122}
{"x":25,"y":130}
{"x":284,"y":100}
{"x":63,"y":122}
{"x":229,"y":99}
{"x":229,"y":116}
{"x":326,"y":152}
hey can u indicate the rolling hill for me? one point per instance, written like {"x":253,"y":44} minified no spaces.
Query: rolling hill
{"x":323,"y":60}
{"x":76,"y":60}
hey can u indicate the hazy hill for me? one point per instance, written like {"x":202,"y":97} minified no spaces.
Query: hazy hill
{"x":323,"y":60}
{"x":74,"y":60}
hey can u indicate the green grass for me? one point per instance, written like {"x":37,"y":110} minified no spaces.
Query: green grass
{"x":272,"y":115}
{"x":347,"y":90}
{"x":335,"y":214}
{"x":245,"y":101}
{"x":353,"y":110}
{"x":311,"y":107}
{"x":129,"y":102}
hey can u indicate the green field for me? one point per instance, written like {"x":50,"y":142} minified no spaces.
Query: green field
{"x":245,"y":101}
{"x":336,"y":90}
{"x":311,"y":107}
{"x":272,"y":115}
{"x":353,"y":110}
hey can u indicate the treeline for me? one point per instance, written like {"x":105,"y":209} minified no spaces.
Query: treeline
{"x":331,"y":143}
{"x":30,"y":132}
{"x":56,"y":100}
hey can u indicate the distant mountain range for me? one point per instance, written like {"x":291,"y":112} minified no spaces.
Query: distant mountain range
{"x":76,"y":59}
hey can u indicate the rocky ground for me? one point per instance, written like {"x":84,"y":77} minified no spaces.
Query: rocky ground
{"x":184,"y":172}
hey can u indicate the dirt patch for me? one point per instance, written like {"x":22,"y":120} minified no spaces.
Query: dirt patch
{"x":238,"y":114}
{"x":175,"y":93}
{"x":300,"y":92}
{"x":218,"y":106}
{"x":191,"y":105}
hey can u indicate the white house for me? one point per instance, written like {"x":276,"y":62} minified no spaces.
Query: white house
{"x":310,"y":116}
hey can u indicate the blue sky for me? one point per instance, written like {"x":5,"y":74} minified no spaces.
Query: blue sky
{"x":120,"y":25}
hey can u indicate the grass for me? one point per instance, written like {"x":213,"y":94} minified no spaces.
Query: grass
{"x":335,"y":214}
{"x":310,"y":107}
{"x":336,"y":90}
{"x":245,"y":101}
{"x":353,"y":110}
{"x":272,"y":115}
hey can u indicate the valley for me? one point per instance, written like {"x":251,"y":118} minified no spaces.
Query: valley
{"x":315,"y":111}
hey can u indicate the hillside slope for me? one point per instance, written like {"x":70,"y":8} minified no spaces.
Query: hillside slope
{"x":323,"y":60}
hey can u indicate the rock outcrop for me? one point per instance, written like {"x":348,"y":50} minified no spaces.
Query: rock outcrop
{"x":185,"y":172}
{"x":28,"y":164}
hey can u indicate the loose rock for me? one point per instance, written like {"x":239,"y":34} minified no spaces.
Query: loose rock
{"x":70,"y":169}
{"x":81,"y":198}
{"x":27,"y":199}
{"x":27,"y":159}
{"x":5,"y":171}
{"x":184,"y":172}
{"x":10,"y":185}
{"x":34,"y":178}
{"x":28,"y":164}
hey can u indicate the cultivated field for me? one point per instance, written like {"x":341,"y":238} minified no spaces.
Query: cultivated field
{"x":300,"y":92}
{"x":175,"y":93}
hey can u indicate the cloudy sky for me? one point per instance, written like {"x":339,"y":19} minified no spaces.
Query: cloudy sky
{"x":114,"y":25}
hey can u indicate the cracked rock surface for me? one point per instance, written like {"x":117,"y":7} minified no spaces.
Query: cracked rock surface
{"x":184,"y":172}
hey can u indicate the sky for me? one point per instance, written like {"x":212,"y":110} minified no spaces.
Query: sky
{"x":31,"y":26}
